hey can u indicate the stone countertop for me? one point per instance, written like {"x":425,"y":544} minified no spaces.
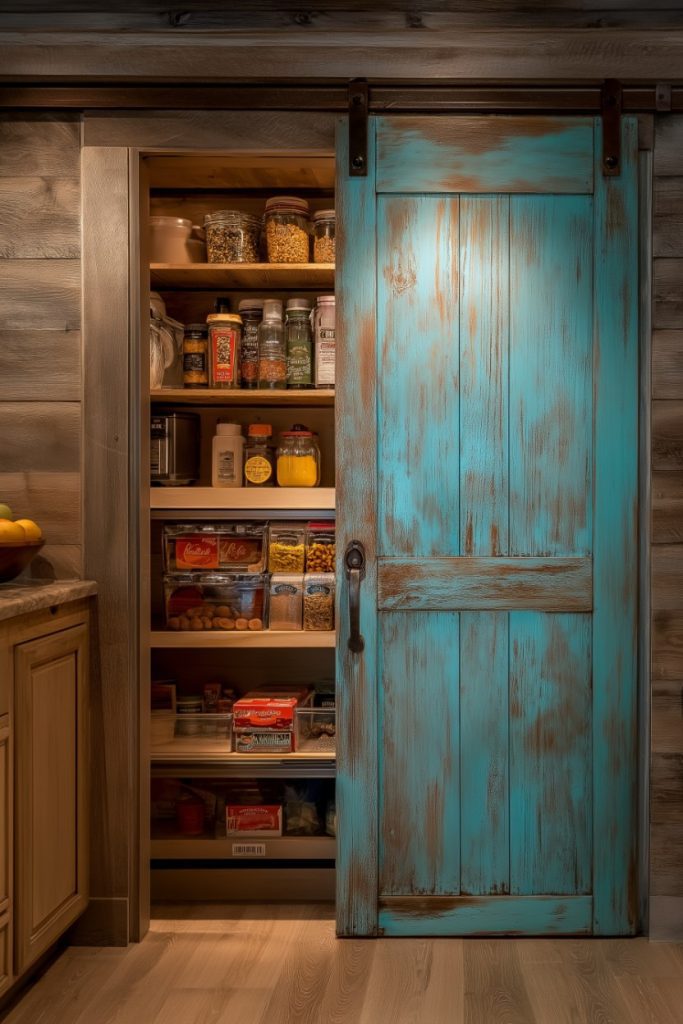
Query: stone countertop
{"x":21,"y":598}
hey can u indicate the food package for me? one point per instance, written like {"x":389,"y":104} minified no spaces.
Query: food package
{"x":261,"y":820}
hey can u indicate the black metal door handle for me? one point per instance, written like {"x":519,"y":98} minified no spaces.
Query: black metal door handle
{"x":354,"y":560}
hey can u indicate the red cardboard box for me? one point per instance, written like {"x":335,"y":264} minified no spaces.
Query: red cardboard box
{"x":253,"y":819}
{"x":268,"y":710}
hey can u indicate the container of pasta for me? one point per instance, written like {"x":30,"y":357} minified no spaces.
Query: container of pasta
{"x":319,"y":600}
{"x":286,"y":548}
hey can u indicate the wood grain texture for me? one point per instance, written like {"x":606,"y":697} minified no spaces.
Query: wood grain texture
{"x":355,"y":421}
{"x":667,"y":578}
{"x":39,"y":218}
{"x":45,"y":436}
{"x":667,"y":717}
{"x":40,"y":294}
{"x":667,"y":293}
{"x":550,"y":584}
{"x":53,"y":499}
{"x":484,"y":915}
{"x":668,"y":147}
{"x":666,"y":773}
{"x":25,"y":357}
{"x":419,"y":796}
{"x":667,"y":363}
{"x":666,"y":859}
{"x":667,"y":645}
{"x":667,"y":508}
{"x":37,"y":144}
{"x":667,"y":435}
{"x":492,"y":154}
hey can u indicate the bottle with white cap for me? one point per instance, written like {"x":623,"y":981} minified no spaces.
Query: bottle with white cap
{"x":272,"y":354}
{"x":227,"y":455}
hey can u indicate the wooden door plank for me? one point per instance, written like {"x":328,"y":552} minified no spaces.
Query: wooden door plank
{"x":484,"y":339}
{"x":550,"y":754}
{"x":485,"y":154}
{"x":485,"y":915}
{"x":551,"y":341}
{"x":549,"y":584}
{"x":355,"y":421}
{"x":418,"y":323}
{"x":484,"y":752}
{"x":419,"y":756}
{"x":615,"y":567}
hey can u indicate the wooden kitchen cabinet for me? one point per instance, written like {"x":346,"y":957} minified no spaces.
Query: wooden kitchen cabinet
{"x":50,"y":811}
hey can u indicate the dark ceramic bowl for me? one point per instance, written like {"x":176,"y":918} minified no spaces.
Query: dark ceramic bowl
{"x":15,"y":557}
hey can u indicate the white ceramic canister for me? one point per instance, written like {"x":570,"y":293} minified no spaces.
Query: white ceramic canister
{"x":168,"y":239}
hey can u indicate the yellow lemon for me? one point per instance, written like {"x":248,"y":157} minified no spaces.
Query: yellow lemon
{"x":6,"y":512}
{"x":32,"y":530}
{"x":11,"y":533}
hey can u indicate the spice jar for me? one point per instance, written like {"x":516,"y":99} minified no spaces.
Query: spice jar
{"x":251,"y":311}
{"x":232,"y":237}
{"x":323,"y":236}
{"x":196,"y":356}
{"x":298,"y":458}
{"x":272,"y":356}
{"x":324,"y":341}
{"x":225,"y":338}
{"x":287,"y":229}
{"x":299,"y":344}
{"x":258,"y":456}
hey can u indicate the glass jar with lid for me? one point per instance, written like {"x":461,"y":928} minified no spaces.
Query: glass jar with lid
{"x":251,"y":311}
{"x":298,"y":458}
{"x":288,"y":229}
{"x":196,"y":356}
{"x":225,"y":339}
{"x":232,"y":237}
{"x":259,"y":464}
{"x":272,"y":354}
{"x":324,"y":236}
{"x":299,"y":344}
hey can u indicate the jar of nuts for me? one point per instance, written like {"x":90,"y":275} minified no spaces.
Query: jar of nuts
{"x":232,"y":237}
{"x":287,"y":229}
{"x":323,"y":236}
{"x":320,"y":547}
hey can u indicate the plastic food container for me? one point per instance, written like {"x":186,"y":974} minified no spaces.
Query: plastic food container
{"x":320,"y":547}
{"x":203,"y":733}
{"x":232,"y":237}
{"x":198,"y":601}
{"x":319,"y":601}
{"x":285,"y":604}
{"x":168,"y":239}
{"x":288,"y":229}
{"x":298,"y":458}
{"x":316,"y":730}
{"x":286,"y":548}
{"x":233,"y":547}
{"x":324,"y":236}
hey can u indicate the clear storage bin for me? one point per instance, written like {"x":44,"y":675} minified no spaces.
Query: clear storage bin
{"x":208,"y":734}
{"x":285,"y":604}
{"x":230,"y":547}
{"x":232,"y":237}
{"x":319,"y":601}
{"x":320,"y":547}
{"x":286,"y":548}
{"x":316,"y":730}
{"x":215,"y":601}
{"x":324,"y":236}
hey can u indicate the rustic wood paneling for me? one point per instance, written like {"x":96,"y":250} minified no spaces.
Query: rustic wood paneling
{"x":667,"y":579}
{"x":666,"y":784}
{"x":666,"y":860}
{"x":57,"y":561}
{"x":28,"y":357}
{"x":668,"y":146}
{"x":52,"y":498}
{"x":667,"y":645}
{"x":667,"y":717}
{"x":33,"y":145}
{"x":667,"y":435}
{"x":43,"y":436}
{"x":39,"y":218}
{"x":667,"y":508}
{"x":667,"y":362}
{"x":43,"y":294}
{"x":668,"y":293}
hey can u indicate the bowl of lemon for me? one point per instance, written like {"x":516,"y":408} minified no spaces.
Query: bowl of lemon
{"x":20,"y":542}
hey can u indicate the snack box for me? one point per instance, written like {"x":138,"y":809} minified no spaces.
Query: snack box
{"x":269,"y":709}
{"x":264,"y":741}
{"x":198,"y":547}
{"x":217,"y":600}
{"x":253,"y":820}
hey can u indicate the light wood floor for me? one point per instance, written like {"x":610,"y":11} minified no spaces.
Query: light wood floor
{"x":216,"y":964}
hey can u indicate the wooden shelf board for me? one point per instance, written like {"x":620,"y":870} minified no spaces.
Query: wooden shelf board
{"x":242,"y":275}
{"x":169,"y":846}
{"x":262,"y":638}
{"x":242,"y":498}
{"x":200,"y":752}
{"x":319,"y":398}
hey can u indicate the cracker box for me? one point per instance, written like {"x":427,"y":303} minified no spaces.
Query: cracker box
{"x":260,"y":820}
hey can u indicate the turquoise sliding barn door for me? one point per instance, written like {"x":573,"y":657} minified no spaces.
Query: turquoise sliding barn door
{"x":487,"y":463}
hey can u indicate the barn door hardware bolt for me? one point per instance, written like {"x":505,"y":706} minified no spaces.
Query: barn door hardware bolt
{"x":358,"y":129}
{"x":610,"y":104}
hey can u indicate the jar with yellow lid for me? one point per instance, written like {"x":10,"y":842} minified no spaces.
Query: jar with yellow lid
{"x":298,"y":458}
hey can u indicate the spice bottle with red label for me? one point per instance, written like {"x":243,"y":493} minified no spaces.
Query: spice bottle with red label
{"x":259,"y":460}
{"x":225,"y":339}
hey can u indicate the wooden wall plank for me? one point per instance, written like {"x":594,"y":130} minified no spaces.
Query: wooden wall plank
{"x":667,"y":435}
{"x":484,"y":754}
{"x":667,"y":645}
{"x":667,"y":718}
{"x":417,"y":253}
{"x":39,"y":218}
{"x":550,"y":754}
{"x":27,"y":356}
{"x":37,"y":144}
{"x":57,"y":561}
{"x":40,"y":294}
{"x":668,"y":293}
{"x":42,"y":436}
{"x":667,"y":577}
{"x":666,"y":860}
{"x":51,"y":498}
{"x":419,"y":796}
{"x":667,"y":508}
{"x":551,"y":351}
{"x":666,"y":784}
{"x":668,"y":146}
{"x":667,"y":362}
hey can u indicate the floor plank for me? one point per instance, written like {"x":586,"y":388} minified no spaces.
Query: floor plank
{"x":243,"y":964}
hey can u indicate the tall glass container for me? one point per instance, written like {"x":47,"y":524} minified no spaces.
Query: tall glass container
{"x":299,"y":344}
{"x":272,"y":354}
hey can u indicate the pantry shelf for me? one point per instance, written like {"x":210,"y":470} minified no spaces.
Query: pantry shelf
{"x":167,"y":760}
{"x":242,"y":275}
{"x":321,"y":398}
{"x":166,"y":846}
{"x":243,"y":498}
{"x":235,"y":638}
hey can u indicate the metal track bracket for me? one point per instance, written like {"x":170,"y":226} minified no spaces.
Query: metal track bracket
{"x":610,"y":104}
{"x":358,"y":129}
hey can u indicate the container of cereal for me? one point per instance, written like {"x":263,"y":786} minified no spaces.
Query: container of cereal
{"x":320,"y":547}
{"x":286,"y":548}
{"x":286,"y":602}
{"x":287,"y":229}
{"x":232,"y":237}
{"x":319,"y":601}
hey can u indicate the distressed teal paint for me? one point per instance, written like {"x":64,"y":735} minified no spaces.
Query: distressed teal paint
{"x":551,"y":329}
{"x":485,"y":154}
{"x":484,"y":829}
{"x":493,"y":915}
{"x":355,"y":412}
{"x":550,"y":754}
{"x":419,"y":762}
{"x":418,"y":475}
{"x":484,"y":340}
{"x":615,"y":620}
